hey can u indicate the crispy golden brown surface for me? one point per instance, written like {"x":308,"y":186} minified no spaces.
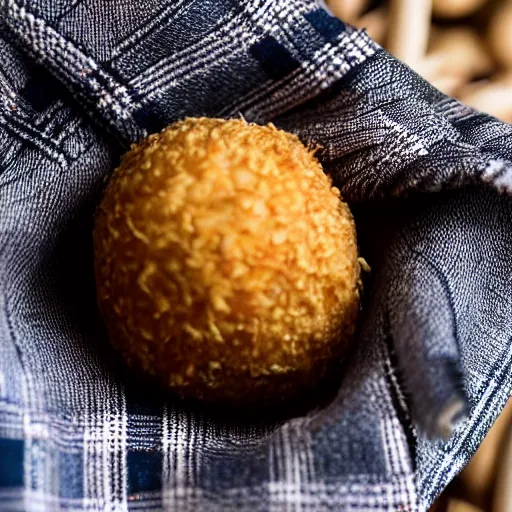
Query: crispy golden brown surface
{"x":226,"y":263}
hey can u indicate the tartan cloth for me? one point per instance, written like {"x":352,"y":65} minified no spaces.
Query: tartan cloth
{"x":79,"y":81}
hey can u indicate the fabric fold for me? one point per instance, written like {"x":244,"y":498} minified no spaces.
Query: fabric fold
{"x":80,"y":434}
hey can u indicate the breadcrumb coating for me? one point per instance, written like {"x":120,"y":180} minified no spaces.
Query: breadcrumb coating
{"x":226,"y":263}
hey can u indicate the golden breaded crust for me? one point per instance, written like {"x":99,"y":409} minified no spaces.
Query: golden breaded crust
{"x":226,"y":263}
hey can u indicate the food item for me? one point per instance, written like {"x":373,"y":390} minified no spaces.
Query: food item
{"x":479,"y":476}
{"x":455,"y":56}
{"x":375,"y":23}
{"x":461,"y":506}
{"x":502,"y":500}
{"x":409,"y":22}
{"x":500,"y":34}
{"x":455,"y":8}
{"x":348,"y":10}
{"x":458,"y":51}
{"x":226,"y":264}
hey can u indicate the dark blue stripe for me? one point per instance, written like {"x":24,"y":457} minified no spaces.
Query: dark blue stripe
{"x":273,"y":57}
{"x":328,"y":26}
{"x":11,"y":462}
{"x":144,"y":471}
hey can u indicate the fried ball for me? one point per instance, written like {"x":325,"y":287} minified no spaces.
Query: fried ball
{"x":226,"y":263}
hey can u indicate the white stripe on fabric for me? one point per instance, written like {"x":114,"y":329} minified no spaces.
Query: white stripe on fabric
{"x":178,"y":66}
{"x":177,"y":490}
{"x":105,"y":470}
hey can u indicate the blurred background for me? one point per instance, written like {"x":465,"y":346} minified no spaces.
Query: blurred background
{"x":464,"y":48}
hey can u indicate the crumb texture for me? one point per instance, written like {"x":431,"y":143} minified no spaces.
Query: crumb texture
{"x":226,"y":263}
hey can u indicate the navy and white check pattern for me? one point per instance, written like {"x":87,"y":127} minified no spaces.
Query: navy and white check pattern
{"x":82,"y":79}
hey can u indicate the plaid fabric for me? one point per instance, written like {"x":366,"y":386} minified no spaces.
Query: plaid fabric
{"x":81,"y":79}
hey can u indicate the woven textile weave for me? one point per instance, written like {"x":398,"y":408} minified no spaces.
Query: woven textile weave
{"x":429,"y":180}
